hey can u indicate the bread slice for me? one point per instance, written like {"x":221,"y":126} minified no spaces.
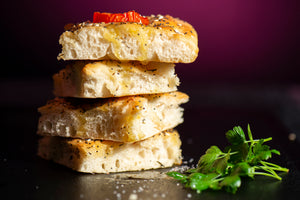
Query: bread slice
{"x":165,"y":39}
{"x":96,"y":156}
{"x":123,"y":119}
{"x":102,"y":79}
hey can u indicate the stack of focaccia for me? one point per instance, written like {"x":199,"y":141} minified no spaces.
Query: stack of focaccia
{"x":117,"y":101}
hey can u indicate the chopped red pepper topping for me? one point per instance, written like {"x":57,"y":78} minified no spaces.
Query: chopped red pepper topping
{"x":130,"y":16}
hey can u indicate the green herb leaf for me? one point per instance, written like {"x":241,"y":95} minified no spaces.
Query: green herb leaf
{"x":261,"y":152}
{"x":236,"y":136}
{"x":207,"y":162}
{"x":231,"y":183}
{"x":243,"y":158}
{"x":243,"y":169}
{"x":178,"y":176}
{"x":242,"y":151}
{"x":220,"y":165}
{"x":199,"y":181}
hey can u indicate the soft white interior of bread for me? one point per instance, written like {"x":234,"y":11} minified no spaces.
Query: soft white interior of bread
{"x":125,"y":119}
{"x":161,"y":150}
{"x":164,"y":40}
{"x":105,"y":79}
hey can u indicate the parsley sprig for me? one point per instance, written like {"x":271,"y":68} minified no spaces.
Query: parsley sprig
{"x":218,"y":169}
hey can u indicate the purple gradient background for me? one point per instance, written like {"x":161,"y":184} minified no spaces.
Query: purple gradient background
{"x":254,"y":41}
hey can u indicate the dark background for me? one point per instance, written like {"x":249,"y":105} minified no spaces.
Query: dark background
{"x":248,"y":57}
{"x":249,"y":41}
{"x":247,"y":71}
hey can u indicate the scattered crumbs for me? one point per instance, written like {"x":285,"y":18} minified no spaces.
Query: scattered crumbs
{"x":292,"y":136}
{"x":155,"y":195}
{"x":180,"y":169}
{"x":163,"y":195}
{"x":193,"y":166}
{"x":133,"y":197}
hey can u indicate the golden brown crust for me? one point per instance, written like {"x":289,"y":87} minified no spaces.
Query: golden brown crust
{"x":108,"y":103}
{"x":160,"y":22}
{"x":169,"y":23}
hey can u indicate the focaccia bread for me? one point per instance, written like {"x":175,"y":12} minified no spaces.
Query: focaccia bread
{"x":124,"y":119}
{"x":164,"y":39}
{"x":97,"y":156}
{"x":103,"y":79}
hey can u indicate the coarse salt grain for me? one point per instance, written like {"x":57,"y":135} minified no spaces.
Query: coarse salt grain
{"x":133,"y":197}
{"x":140,"y":189}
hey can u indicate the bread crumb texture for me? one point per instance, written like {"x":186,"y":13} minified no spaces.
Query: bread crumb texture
{"x":123,"y":119}
{"x":101,"y":156}
{"x":103,"y":79}
{"x":165,"y":39}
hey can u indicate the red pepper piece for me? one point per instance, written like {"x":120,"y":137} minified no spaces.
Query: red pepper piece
{"x":101,"y":17}
{"x":130,"y":16}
